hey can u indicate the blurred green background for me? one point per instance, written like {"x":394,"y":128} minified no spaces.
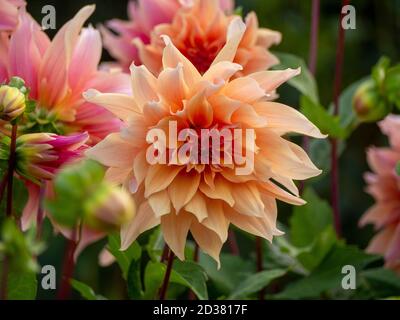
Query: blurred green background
{"x":377,"y":33}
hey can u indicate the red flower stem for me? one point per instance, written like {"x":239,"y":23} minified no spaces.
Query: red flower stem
{"x":3,"y":185}
{"x":11,"y":168}
{"x":192,"y":296}
{"x":164,"y":288}
{"x":260,"y":265}
{"x":68,"y":265}
{"x":233,"y":243}
{"x":334,"y":143}
{"x":313,"y":53}
{"x":164,"y":254}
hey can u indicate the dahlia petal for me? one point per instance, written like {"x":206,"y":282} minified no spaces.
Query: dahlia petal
{"x":271,"y":80}
{"x":175,"y":229}
{"x":121,"y":105}
{"x":223,"y":70}
{"x":244,"y":89}
{"x":106,"y":259}
{"x":172,"y":57}
{"x":105,"y":152}
{"x":270,"y":189}
{"x":199,"y":111}
{"x":87,"y":53}
{"x":172,"y":87}
{"x":382,"y":160}
{"x":56,"y":61}
{"x":257,"y":226}
{"x":267,"y":38}
{"x":285,"y":119}
{"x":144,"y":85}
{"x":379,"y":244}
{"x":32,"y":206}
{"x":144,"y":220}
{"x":197,"y":206}
{"x":216,"y":220}
{"x":391,"y":126}
{"x":159,"y":177}
{"x":235,"y":34}
{"x":140,"y":167}
{"x":248,"y":200}
{"x":188,"y":182}
{"x":27,"y":44}
{"x":160,"y":203}
{"x":117,"y":176}
{"x":221,"y":191}
{"x":207,"y":240}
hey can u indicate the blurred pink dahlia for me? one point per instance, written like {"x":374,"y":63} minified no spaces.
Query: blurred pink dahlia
{"x":58,"y":71}
{"x":200,"y":31}
{"x":384,"y":187}
{"x":9,"y":13}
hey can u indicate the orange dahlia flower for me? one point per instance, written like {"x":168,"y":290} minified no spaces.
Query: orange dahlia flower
{"x":201,"y":30}
{"x":384,"y":187}
{"x":204,"y":197}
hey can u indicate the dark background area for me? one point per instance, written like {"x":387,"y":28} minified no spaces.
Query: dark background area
{"x":377,"y":34}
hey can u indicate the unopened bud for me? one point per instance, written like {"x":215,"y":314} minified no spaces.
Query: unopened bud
{"x":108,"y":208}
{"x":368,"y":104}
{"x":12,"y":103}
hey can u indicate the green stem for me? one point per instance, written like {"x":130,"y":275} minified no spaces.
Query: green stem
{"x":11,"y":168}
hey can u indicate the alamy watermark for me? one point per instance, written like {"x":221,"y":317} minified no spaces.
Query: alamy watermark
{"x":227,"y":146}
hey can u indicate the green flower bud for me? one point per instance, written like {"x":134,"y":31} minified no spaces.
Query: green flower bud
{"x":108,"y":208}
{"x":368,"y":104}
{"x":12,"y":103}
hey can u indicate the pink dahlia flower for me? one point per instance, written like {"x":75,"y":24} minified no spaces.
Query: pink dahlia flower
{"x":384,"y":187}
{"x":58,"y":71}
{"x":202,"y":30}
{"x":9,"y":14}
{"x":144,"y":15}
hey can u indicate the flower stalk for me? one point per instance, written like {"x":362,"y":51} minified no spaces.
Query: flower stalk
{"x":335,"y":199}
{"x":11,"y":168}
{"x":164,"y":288}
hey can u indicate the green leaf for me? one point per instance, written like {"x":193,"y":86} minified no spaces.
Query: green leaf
{"x":317,"y":251}
{"x":398,"y":168}
{"x":188,"y":274}
{"x":305,"y":82}
{"x":191,"y":275}
{"x":134,"y":282}
{"x":21,"y":285}
{"x":124,"y":258}
{"x":85,"y":291}
{"x":233,"y":271}
{"x":381,"y":283}
{"x":307,"y":222}
{"x":155,"y":246}
{"x":328,"y":275}
{"x":255,"y":283}
{"x":326,"y":122}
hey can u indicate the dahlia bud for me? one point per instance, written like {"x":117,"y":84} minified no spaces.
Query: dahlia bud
{"x":12,"y":103}
{"x":368,"y":104}
{"x":40,"y":155}
{"x":108,"y":208}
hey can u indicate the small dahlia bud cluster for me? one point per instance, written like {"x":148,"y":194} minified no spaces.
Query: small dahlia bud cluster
{"x":40,"y":155}
{"x":12,"y":103}
{"x":108,"y":208}
{"x":368,"y":103}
